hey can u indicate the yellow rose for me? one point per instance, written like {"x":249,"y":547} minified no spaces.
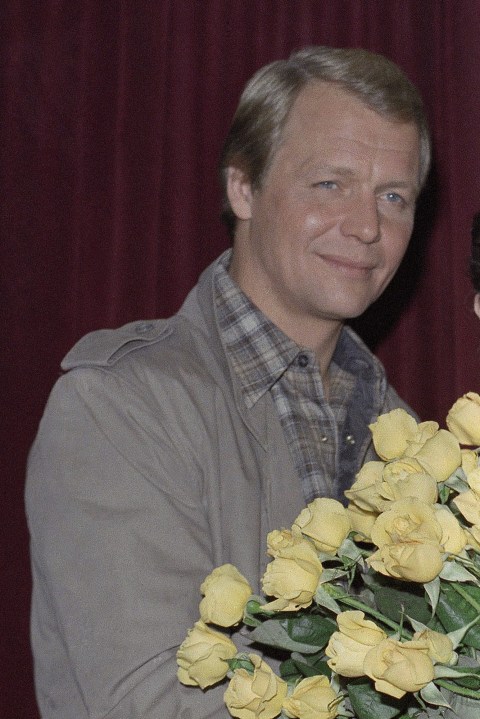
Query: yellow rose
{"x":399,"y":667}
{"x":312,"y":698}
{"x":439,"y":646}
{"x":280,"y":538}
{"x":365,"y":491}
{"x":469,"y":502}
{"x":400,"y":468}
{"x":348,"y":647}
{"x":361,"y":521}
{"x":292,"y":576}
{"x":473,"y":479}
{"x":469,"y":460}
{"x":469,"y":505}
{"x":407,"y":520}
{"x":395,"y":480}
{"x":408,"y":536}
{"x":463,"y":420}
{"x":370,"y":473}
{"x":473,"y":537}
{"x":202,"y":656}
{"x":391,"y":432}
{"x":326,"y":522}
{"x":419,"y":485}
{"x":425,"y":430}
{"x":226,"y":594}
{"x":412,"y":562}
{"x":454,"y":538}
{"x":255,"y":696}
{"x":440,"y":456}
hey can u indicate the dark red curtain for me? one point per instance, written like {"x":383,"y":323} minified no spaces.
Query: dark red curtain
{"x":112,"y":114}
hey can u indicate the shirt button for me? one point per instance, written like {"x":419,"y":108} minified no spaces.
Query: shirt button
{"x":143,"y":327}
{"x":302,"y":360}
{"x":323,"y":438}
{"x":350,"y":439}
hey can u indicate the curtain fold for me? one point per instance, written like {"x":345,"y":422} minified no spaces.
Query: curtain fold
{"x":112,"y":116}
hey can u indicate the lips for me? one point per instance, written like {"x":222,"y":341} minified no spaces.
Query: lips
{"x":348,"y":266}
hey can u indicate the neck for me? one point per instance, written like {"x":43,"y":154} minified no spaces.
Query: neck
{"x":318,"y":334}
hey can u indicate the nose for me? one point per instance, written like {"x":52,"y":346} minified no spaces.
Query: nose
{"x":361,"y":219}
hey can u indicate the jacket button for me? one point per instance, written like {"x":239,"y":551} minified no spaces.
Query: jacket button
{"x":143,"y":327}
{"x":350,"y":439}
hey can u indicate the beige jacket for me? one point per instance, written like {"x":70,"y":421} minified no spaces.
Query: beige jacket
{"x":147,"y":472}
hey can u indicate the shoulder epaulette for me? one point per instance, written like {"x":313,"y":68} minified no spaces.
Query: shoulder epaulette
{"x":104,"y":348}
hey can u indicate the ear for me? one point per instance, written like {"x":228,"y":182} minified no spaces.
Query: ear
{"x":476,"y":304}
{"x":239,"y":192}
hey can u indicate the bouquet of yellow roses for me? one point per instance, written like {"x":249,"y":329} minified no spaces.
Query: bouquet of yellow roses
{"x":374,"y":607}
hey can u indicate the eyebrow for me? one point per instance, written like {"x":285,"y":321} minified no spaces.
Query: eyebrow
{"x":335,"y":169}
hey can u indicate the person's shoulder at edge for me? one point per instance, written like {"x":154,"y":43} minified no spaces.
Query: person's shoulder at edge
{"x":105,"y":347}
{"x":176,"y":335}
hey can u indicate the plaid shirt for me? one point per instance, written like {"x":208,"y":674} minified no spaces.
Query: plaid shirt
{"x":266,"y":360}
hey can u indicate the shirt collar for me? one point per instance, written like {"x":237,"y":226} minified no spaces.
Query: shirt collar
{"x":259,"y":351}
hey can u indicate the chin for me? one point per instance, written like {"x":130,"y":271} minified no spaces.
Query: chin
{"x":348,"y":312}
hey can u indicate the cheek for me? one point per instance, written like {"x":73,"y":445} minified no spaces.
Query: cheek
{"x":312,"y":222}
{"x":397,"y":245}
{"x":476,"y":305}
{"x":316,"y":221}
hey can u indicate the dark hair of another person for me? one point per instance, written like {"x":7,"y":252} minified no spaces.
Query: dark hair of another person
{"x":264,"y":107}
{"x":475,"y":256}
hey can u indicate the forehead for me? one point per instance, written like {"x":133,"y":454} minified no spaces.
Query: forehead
{"x":327,"y":119}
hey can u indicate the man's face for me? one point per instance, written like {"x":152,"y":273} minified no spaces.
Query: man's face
{"x":323,"y":237}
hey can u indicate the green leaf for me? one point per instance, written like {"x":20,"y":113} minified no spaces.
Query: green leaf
{"x":405,"y":600}
{"x":306,"y":634}
{"x":299,"y":666}
{"x":349,"y":550}
{"x":432,"y":694}
{"x":457,"y":481}
{"x":332,"y":574}
{"x":312,"y":665}
{"x":370,"y":704}
{"x":324,"y":599}
{"x":455,"y":572}
{"x":462,"y":707}
{"x":310,"y":629}
{"x":241,"y":661}
{"x":444,"y":492}
{"x":466,"y":677}
{"x":433,"y":591}
{"x":456,"y":637}
{"x":454,"y":611}
{"x":289,"y":671}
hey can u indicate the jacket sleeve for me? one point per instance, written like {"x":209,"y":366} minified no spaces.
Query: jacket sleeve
{"x":120,"y":542}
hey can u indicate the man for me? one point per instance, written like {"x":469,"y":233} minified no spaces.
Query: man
{"x":475,"y":262}
{"x":171,"y":447}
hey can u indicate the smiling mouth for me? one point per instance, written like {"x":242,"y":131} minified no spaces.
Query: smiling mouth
{"x":348,"y":266}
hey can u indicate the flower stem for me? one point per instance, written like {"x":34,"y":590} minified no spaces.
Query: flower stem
{"x":350,"y":601}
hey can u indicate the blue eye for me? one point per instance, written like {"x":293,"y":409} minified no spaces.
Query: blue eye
{"x":327,"y":184}
{"x":393,"y":197}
